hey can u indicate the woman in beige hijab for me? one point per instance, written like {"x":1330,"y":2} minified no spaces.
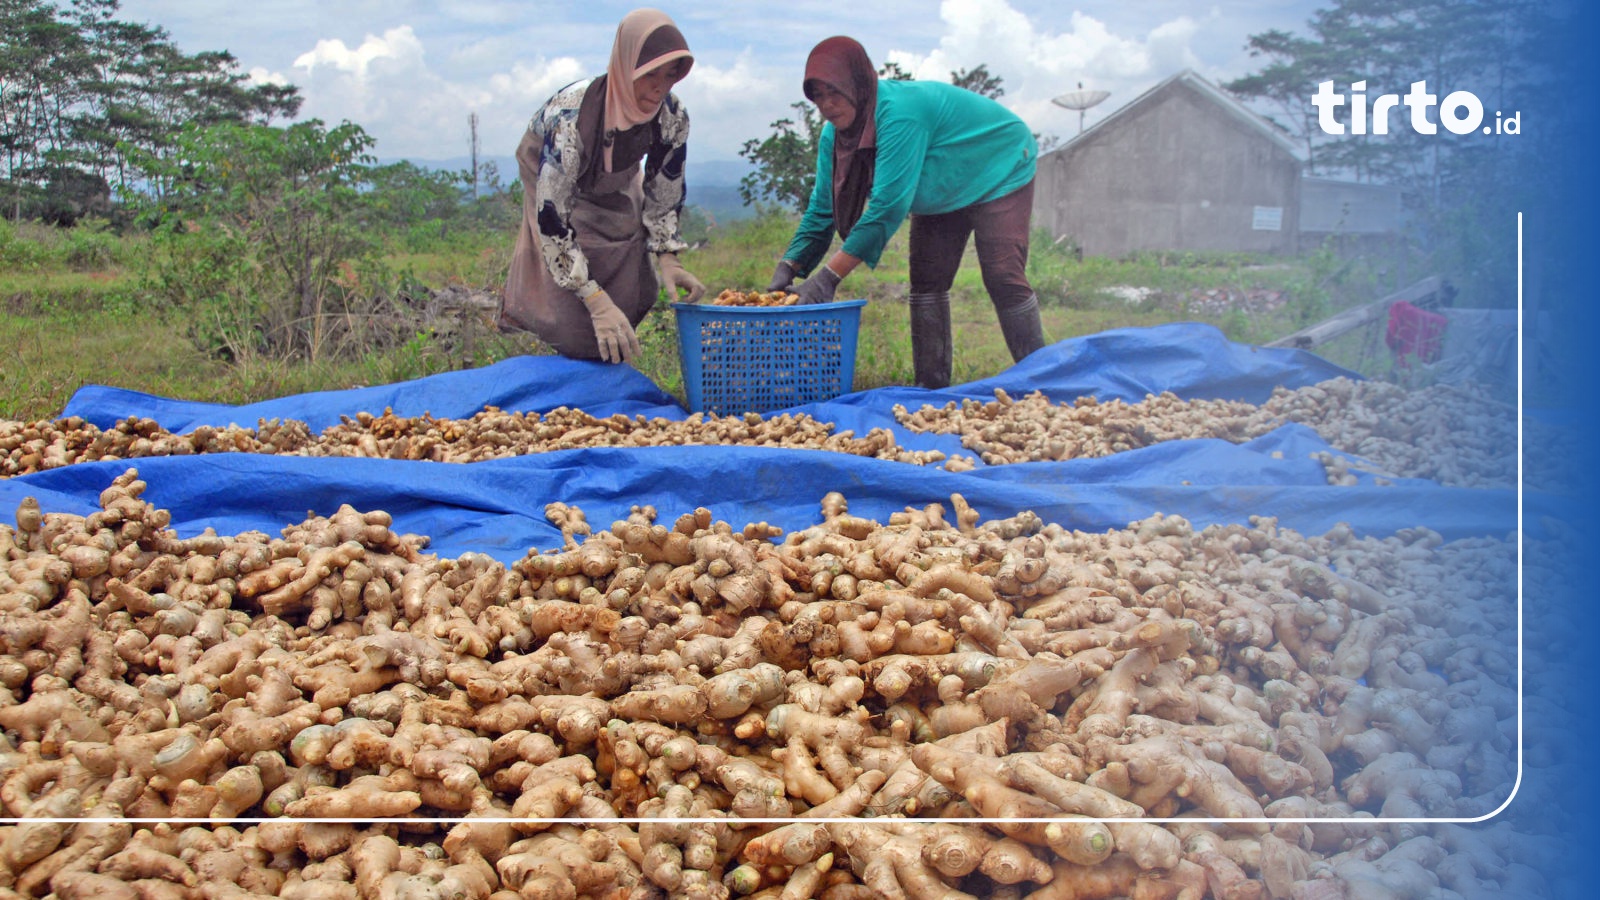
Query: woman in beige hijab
{"x":580,"y":275}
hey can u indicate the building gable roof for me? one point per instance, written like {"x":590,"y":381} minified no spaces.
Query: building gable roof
{"x":1204,"y":88}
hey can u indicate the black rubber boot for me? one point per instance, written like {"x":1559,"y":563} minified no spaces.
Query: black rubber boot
{"x":1022,"y":328}
{"x":930,"y":339}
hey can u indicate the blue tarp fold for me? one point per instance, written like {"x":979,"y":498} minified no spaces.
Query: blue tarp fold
{"x":519,"y":384}
{"x":497,"y":507}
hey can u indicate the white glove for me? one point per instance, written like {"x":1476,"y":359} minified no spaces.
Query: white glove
{"x":675,"y":276}
{"x":612,"y":330}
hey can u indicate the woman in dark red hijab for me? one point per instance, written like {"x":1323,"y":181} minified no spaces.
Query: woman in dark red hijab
{"x":957,"y":163}
{"x":840,"y":76}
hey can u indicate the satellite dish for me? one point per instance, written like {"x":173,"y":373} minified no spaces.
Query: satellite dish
{"x":1080,"y":100}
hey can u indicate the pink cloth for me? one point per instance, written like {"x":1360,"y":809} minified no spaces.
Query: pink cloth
{"x":1414,"y":331}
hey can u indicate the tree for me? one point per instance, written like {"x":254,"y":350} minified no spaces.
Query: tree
{"x":41,"y":60}
{"x":403,"y":193}
{"x":1389,"y":44}
{"x":785,"y":162}
{"x":1287,"y":84}
{"x":978,"y":81}
{"x":80,"y":89}
{"x":1463,"y":190}
{"x":292,"y":203}
{"x":891,"y":71}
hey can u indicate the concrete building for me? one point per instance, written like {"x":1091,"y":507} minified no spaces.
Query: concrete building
{"x":1331,"y":206}
{"x":1183,"y":166}
{"x":1354,"y":218}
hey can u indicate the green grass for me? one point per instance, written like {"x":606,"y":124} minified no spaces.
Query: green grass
{"x":71,"y":302}
{"x":59,"y":352}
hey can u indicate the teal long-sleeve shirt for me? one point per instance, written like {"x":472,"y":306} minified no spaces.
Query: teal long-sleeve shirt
{"x":940,"y":148}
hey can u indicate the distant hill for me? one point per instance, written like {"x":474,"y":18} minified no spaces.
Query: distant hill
{"x":721,"y":202}
{"x":713,"y":183}
{"x":718,"y":172}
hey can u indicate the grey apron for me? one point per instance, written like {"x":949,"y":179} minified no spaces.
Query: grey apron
{"x":609,"y":221}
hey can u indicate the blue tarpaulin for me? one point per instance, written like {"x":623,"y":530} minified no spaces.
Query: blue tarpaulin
{"x":497,"y":507}
{"x":519,"y":384}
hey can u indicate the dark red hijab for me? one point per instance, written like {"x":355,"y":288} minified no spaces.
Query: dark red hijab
{"x":842,"y":64}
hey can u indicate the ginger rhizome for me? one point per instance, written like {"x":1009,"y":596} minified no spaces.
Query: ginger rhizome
{"x":939,"y":666}
{"x":1395,"y":432}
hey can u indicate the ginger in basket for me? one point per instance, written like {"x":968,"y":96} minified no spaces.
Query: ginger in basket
{"x":731,"y":297}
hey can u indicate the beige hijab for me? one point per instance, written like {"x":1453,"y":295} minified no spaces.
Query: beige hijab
{"x":647,"y":39}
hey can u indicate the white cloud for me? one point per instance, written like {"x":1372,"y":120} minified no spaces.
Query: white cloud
{"x":1036,"y":63}
{"x":410,"y":72}
{"x":399,"y":44}
{"x":729,"y":105}
{"x":260,"y":75}
{"x":535,"y":82}
{"x":420,"y":110}
{"x":1172,"y":45}
{"x":387,"y":86}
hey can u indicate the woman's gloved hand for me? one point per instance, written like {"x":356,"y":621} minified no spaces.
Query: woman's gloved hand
{"x":819,"y":287}
{"x":612,"y":331}
{"x":675,"y":276}
{"x":782,"y":277}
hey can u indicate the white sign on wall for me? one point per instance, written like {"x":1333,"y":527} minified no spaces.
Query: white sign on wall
{"x":1267,"y":218}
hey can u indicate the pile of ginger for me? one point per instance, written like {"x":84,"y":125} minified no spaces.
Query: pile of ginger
{"x":735,"y":297}
{"x":696,"y":710}
{"x":1455,"y":435}
{"x":492,"y":433}
{"x":1451,"y":435}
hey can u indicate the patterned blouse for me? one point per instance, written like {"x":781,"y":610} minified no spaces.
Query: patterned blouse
{"x":562,"y":160}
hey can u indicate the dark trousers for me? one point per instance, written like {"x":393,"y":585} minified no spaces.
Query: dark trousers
{"x":1000,"y":228}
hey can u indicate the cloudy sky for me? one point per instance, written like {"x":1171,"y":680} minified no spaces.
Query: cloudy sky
{"x":410,"y":72}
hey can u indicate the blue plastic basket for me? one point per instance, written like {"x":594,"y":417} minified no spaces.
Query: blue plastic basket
{"x":739,"y":359}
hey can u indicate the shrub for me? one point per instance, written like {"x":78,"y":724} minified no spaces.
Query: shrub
{"x":276,"y":215}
